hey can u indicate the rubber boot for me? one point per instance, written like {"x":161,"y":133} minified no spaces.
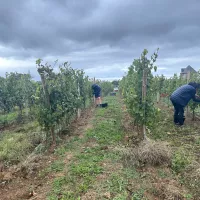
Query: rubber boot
{"x":181,"y":120}
{"x":176,"y":120}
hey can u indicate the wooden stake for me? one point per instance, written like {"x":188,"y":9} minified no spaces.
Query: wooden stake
{"x":187,"y":107}
{"x":79,"y":94}
{"x":144,"y":94}
{"x":94,"y":95}
{"x":158,"y":97}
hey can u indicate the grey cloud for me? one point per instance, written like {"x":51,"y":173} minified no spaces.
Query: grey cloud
{"x":72,"y":29}
{"x":40,"y":24}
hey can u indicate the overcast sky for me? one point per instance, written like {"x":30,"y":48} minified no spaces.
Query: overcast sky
{"x":102,"y":37}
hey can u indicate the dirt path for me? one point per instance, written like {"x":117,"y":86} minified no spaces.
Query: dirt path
{"x":32,"y":179}
{"x":89,"y":164}
{"x":92,"y":158}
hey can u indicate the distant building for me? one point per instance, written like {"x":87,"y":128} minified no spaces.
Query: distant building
{"x":185,"y":72}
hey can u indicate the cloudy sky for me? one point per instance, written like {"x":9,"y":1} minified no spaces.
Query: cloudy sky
{"x":100,"y":36}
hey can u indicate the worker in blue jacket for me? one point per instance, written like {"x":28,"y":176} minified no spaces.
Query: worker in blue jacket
{"x":97,"y":93}
{"x":181,"y":97}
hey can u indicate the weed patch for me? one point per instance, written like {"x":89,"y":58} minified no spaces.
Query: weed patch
{"x":13,"y":147}
{"x":180,"y":161}
{"x":57,"y":166}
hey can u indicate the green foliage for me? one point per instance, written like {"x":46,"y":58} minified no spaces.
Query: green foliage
{"x":57,"y":166}
{"x":117,"y":183}
{"x":180,"y":161}
{"x":106,"y":87}
{"x":173,"y":83}
{"x":168,"y":85}
{"x":14,"y":145}
{"x":141,"y":108}
{"x":115,"y":83}
{"x":195,"y":77}
{"x":58,"y":183}
{"x":59,"y":96}
{"x":54,"y":100}
{"x":188,"y":196}
{"x":85,"y":169}
{"x":159,"y":83}
{"x":138,"y":195}
{"x":16,"y":90}
{"x":8,"y":119}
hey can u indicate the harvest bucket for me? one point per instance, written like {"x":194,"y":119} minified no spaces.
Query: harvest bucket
{"x":104,"y":105}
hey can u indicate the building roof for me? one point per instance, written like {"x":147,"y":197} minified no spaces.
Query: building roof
{"x":188,"y":69}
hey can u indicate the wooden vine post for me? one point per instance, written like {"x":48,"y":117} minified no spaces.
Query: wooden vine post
{"x":140,"y":102}
{"x":41,"y":70}
{"x":158,"y":97}
{"x":94,"y":95}
{"x":79,"y":94}
{"x":144,"y":94}
{"x":188,"y":79}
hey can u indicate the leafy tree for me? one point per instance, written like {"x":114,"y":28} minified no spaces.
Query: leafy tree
{"x":62,"y":94}
{"x":140,"y":106}
{"x":115,"y":83}
{"x":195,"y":77}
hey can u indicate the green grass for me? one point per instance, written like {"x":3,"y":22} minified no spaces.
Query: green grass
{"x":16,"y":144}
{"x":85,"y":169}
{"x":180,"y":161}
{"x":14,"y":147}
{"x":86,"y":164}
{"x":107,"y":125}
{"x":57,"y":166}
{"x":14,"y":117}
{"x":184,"y":142}
{"x":197,"y":141}
{"x":68,"y":146}
{"x":117,"y":183}
{"x":96,"y":165}
{"x":105,"y":133}
{"x":8,"y":119}
{"x":138,"y":195}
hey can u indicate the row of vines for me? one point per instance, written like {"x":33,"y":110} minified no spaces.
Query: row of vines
{"x":53,"y":102}
{"x":136,"y":87}
{"x":60,"y":96}
{"x":141,"y":90}
{"x":164,"y":87}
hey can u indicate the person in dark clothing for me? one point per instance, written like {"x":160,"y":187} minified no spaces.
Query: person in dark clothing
{"x":97,"y":93}
{"x":180,"y":98}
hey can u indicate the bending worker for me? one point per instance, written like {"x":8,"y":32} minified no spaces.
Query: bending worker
{"x":97,"y":92}
{"x":180,"y":98}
